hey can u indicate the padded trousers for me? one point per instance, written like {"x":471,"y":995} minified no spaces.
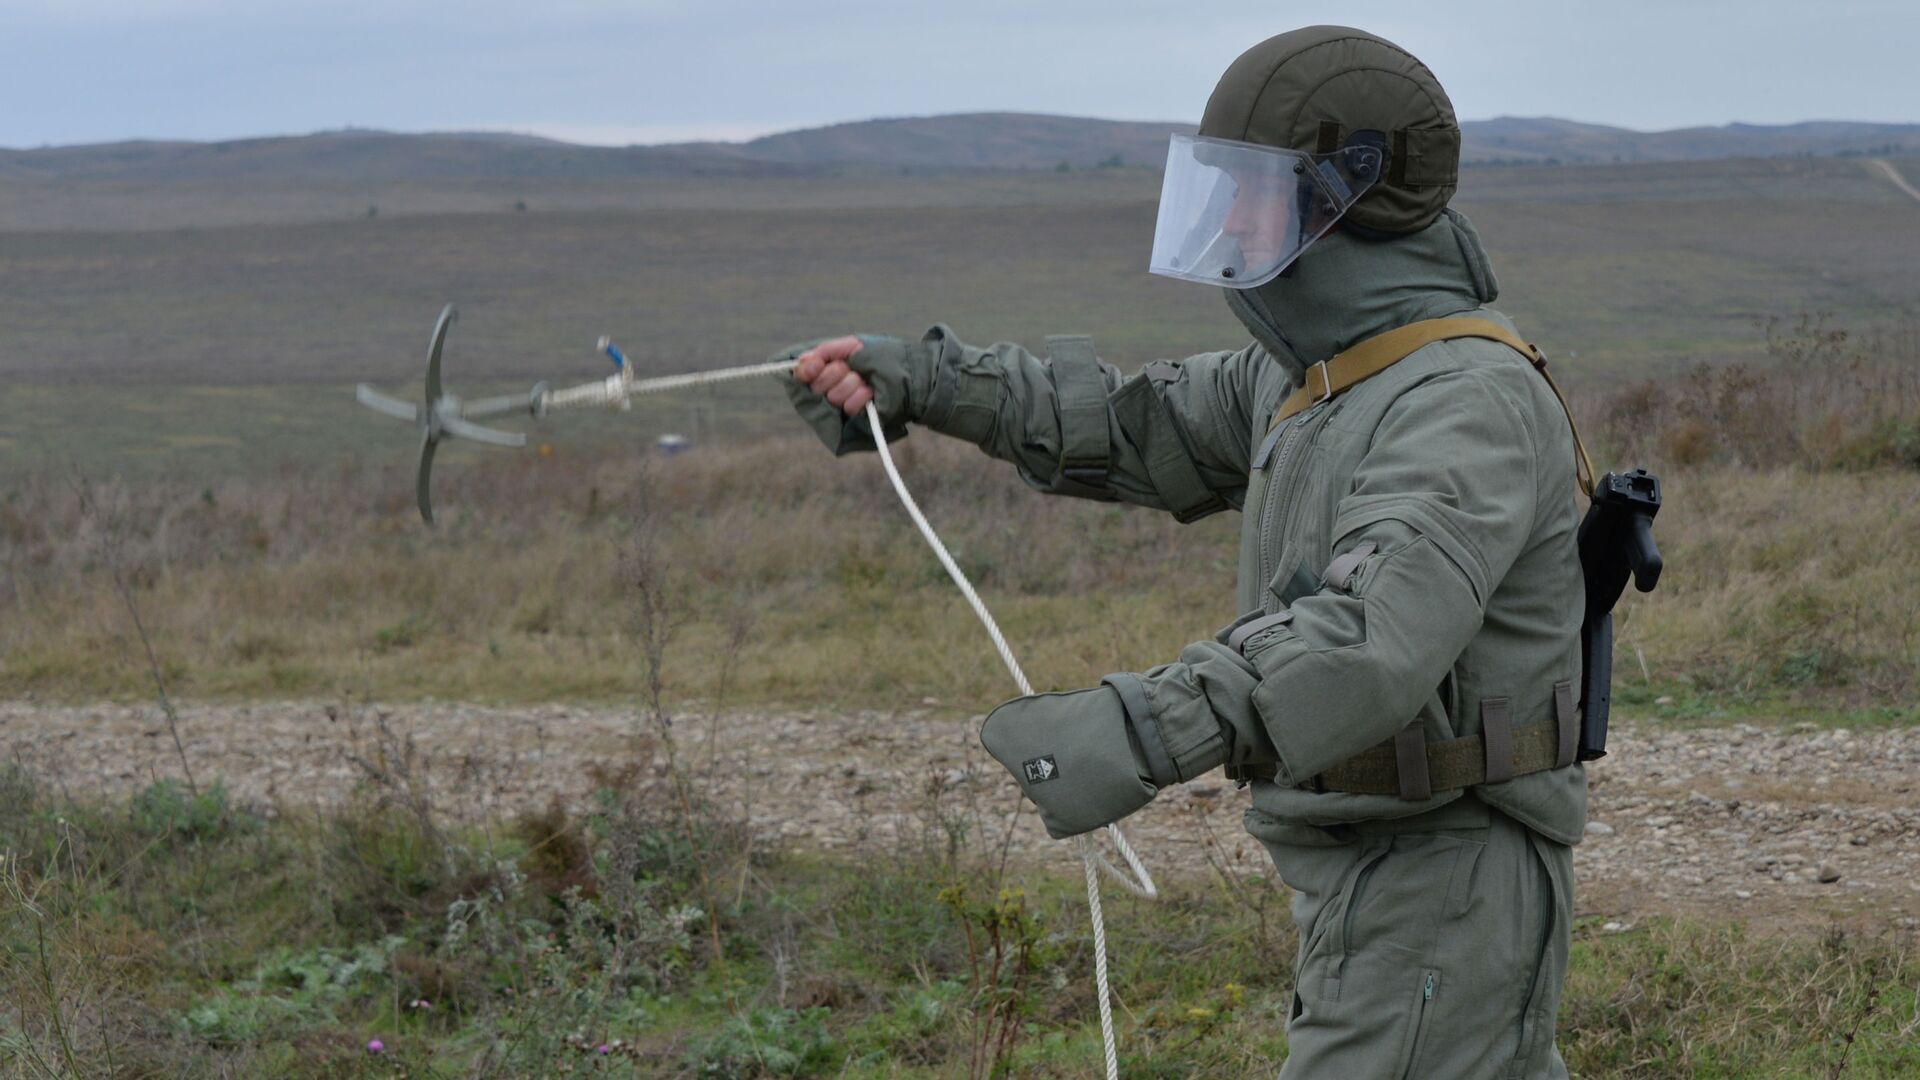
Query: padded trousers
{"x":1429,"y":954}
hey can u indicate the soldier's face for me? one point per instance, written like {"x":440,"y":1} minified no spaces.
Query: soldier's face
{"x":1261,"y":220}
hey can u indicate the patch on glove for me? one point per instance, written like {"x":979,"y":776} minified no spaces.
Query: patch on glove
{"x":1040,"y":769}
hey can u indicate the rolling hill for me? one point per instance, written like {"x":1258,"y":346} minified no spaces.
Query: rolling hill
{"x":971,"y":141}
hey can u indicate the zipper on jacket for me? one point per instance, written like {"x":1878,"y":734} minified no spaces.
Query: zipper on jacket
{"x":1304,"y":427}
{"x":1299,"y":427}
{"x":1422,"y":1013}
{"x":1353,"y":899}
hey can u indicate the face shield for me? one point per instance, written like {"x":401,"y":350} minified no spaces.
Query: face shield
{"x":1235,"y":213}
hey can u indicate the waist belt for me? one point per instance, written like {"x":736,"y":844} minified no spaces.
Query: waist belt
{"x":1413,"y":769}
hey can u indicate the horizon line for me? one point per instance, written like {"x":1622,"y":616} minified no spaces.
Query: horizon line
{"x":743,"y":134}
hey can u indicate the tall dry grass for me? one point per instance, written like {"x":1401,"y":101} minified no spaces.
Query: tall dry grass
{"x":1792,"y":496}
{"x":324,"y":579}
{"x":1825,"y":398}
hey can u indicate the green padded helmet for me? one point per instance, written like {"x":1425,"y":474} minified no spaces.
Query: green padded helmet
{"x":1313,"y":89}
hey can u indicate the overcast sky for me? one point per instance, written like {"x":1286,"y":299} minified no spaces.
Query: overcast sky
{"x":661,"y":70}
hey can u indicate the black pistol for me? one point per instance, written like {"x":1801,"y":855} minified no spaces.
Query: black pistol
{"x":1616,"y":538}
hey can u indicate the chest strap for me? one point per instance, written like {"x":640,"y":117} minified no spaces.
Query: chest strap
{"x":1368,"y":358}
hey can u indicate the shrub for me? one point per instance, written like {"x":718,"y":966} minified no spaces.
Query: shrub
{"x":767,"y":1042}
{"x":167,"y":810}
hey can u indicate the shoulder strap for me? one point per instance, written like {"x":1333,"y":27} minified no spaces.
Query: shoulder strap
{"x":1380,"y":352}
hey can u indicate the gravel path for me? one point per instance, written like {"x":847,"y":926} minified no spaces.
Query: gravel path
{"x":1770,"y":825}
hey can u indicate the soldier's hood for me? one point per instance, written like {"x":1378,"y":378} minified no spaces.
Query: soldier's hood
{"x":1345,"y":289}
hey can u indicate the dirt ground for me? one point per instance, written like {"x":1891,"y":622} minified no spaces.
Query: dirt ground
{"x":1777,"y":827}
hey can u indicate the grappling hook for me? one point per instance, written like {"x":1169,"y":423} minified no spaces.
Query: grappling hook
{"x":443,"y":415}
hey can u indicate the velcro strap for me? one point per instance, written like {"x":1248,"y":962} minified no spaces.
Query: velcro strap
{"x":1147,"y":419}
{"x":1085,"y":454}
{"x":1410,"y":762}
{"x":1496,"y":728}
{"x":1339,"y":572}
{"x":976,"y":406}
{"x":1568,"y":723}
{"x":1426,"y":157}
{"x":1453,"y":763}
{"x":1298,"y":584}
{"x":1327,"y":139}
{"x":1245,"y":631}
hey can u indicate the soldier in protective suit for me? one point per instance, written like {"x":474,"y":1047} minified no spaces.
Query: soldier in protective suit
{"x":1399,"y":688}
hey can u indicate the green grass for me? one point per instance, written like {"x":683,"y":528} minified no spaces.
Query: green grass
{"x":1680,"y":704}
{"x":181,"y":934}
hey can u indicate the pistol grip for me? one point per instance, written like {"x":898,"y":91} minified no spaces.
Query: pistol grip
{"x":1643,"y":554}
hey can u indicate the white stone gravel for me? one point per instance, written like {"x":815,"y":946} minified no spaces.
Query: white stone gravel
{"x":1742,"y":820}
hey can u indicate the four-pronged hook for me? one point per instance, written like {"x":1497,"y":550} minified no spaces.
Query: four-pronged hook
{"x":443,"y":415}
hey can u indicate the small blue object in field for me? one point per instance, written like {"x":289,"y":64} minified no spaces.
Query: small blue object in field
{"x":670,"y":445}
{"x":613,"y":353}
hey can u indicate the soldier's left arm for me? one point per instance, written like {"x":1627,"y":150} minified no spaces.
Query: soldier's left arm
{"x":1440,"y":507}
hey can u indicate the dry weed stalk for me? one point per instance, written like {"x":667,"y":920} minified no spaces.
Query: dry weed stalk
{"x":61,"y":984}
{"x":110,"y":529}
{"x":1257,"y":898}
{"x":398,"y":770}
{"x":661,"y":611}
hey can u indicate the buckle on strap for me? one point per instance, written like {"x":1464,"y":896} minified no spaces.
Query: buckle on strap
{"x":1326,"y":381}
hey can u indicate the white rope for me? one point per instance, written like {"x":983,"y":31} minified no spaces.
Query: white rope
{"x":699,"y":378}
{"x":611,"y":390}
{"x":1141,"y":883}
{"x":615,"y":390}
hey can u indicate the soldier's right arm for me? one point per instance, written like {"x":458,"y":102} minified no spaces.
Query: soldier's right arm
{"x":1176,"y":436}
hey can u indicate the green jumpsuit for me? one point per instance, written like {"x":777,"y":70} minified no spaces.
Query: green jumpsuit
{"x":1433,"y":932}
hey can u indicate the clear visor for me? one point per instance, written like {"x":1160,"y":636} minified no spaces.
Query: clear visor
{"x":1235,"y":214}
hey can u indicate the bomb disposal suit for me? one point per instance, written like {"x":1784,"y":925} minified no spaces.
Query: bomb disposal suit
{"x":1398,"y":690}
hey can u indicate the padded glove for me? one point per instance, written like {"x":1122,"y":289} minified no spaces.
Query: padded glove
{"x":1074,"y":754}
{"x":886,"y":365}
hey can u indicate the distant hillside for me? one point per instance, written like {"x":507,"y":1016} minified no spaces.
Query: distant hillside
{"x":372,"y":155}
{"x":972,"y":141}
{"x":1541,"y":140}
{"x":1027,"y":141}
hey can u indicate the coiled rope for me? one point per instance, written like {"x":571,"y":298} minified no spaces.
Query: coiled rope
{"x":616,"y":389}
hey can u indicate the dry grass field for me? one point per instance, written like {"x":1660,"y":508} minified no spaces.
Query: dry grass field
{"x":191,"y":506}
{"x":198,"y":351}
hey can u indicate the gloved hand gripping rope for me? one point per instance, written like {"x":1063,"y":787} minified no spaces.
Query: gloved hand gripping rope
{"x":444,"y":415}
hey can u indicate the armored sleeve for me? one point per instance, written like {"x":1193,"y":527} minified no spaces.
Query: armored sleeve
{"x":1440,"y":508}
{"x":1174,"y":437}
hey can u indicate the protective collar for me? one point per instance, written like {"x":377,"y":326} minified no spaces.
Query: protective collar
{"x":1346,"y":289}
